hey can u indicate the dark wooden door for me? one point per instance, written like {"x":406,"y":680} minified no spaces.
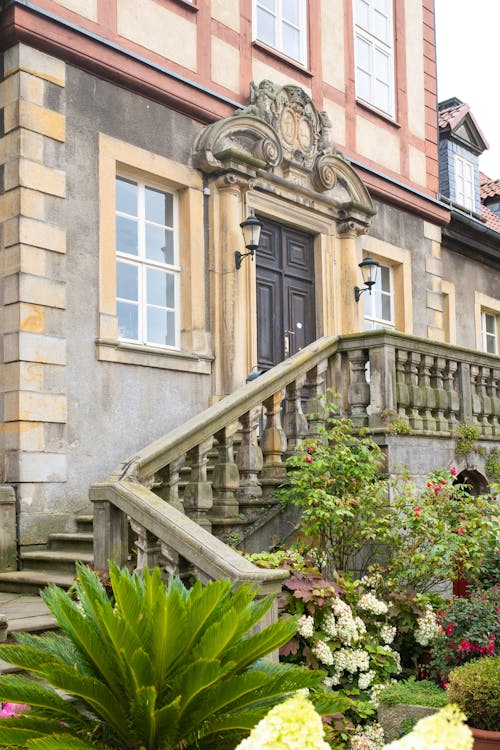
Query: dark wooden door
{"x":286,"y":316}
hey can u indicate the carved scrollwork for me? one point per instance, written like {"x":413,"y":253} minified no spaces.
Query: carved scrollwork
{"x":269,"y":150}
{"x":324,"y":174}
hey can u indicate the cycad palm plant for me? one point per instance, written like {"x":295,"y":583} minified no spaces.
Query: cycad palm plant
{"x":161,"y":668}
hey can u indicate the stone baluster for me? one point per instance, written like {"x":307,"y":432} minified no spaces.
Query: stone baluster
{"x":494,"y":392}
{"x":249,"y":456}
{"x":428,"y":395}
{"x":198,"y":498}
{"x":486,"y":402}
{"x":465,"y":392}
{"x":450,"y":386}
{"x":169,"y":488}
{"x":358,"y":393}
{"x":169,"y":560}
{"x":382,"y":384}
{"x":226,"y":477}
{"x":402,"y":392}
{"x":273,"y":444}
{"x":440,"y":394}
{"x":110,"y":535}
{"x":296,"y":426}
{"x":477,"y":406}
{"x":315,"y":388}
{"x":414,"y":391}
{"x":147,"y":546}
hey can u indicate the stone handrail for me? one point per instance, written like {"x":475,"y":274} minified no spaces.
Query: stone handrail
{"x":193,"y":481}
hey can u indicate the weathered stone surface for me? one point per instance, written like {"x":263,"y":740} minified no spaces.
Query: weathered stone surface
{"x":391,"y":718}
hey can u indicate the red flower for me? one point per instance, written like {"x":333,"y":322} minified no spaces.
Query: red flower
{"x":417,"y":512}
{"x":461,"y":531}
{"x":429,"y":484}
{"x":309,"y":459}
{"x":443,"y":481}
{"x":310,"y":449}
{"x":453,"y":471}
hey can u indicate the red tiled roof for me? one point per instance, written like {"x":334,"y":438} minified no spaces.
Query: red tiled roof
{"x":492,"y":220}
{"x":450,"y":117}
{"x":489,"y":188}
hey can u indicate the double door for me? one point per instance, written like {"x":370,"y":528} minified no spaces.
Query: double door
{"x":286,"y":313}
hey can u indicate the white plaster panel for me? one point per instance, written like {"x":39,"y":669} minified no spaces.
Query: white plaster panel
{"x":87,"y":8}
{"x":415,"y":68}
{"x":332,"y":42}
{"x":378,"y":144}
{"x":225,"y":64}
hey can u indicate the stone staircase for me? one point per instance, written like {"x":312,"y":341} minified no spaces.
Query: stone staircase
{"x":20,"y":604}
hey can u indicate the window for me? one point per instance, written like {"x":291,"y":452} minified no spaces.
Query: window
{"x":374,"y":53}
{"x":281,"y":24}
{"x":147,"y":271}
{"x":464,"y":182}
{"x":379,"y":312}
{"x":489,"y":332}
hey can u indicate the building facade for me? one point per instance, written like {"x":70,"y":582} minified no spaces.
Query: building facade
{"x":137,"y":136}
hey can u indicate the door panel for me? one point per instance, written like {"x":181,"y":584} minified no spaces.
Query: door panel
{"x":286,"y":318}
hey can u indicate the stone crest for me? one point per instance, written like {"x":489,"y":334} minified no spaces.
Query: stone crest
{"x":304,"y":132}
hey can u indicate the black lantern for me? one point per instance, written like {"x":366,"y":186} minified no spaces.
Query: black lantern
{"x":251,"y":229}
{"x":369,"y":270}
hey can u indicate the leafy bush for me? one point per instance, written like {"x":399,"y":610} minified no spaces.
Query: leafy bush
{"x":414,"y":693}
{"x":162,"y":667}
{"x":469,"y":630}
{"x":475,"y":688}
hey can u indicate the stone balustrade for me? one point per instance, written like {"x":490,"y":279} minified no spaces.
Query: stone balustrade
{"x":222,"y":467}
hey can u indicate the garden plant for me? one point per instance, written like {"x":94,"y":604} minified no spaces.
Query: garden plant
{"x":157,"y":668}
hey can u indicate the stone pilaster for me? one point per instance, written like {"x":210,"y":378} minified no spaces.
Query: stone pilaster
{"x":32,"y":282}
{"x":434,"y":275}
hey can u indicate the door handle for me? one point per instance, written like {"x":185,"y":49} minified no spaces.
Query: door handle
{"x":286,"y":338}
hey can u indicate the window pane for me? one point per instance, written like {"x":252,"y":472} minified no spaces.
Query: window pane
{"x":161,"y":327}
{"x":291,"y":42}
{"x":160,"y":288}
{"x":126,"y":196}
{"x":489,"y":321}
{"x":290,"y":11}
{"x":491,"y":344}
{"x":266,"y":27}
{"x":381,"y":27}
{"x":363,"y":14}
{"x":269,"y":4}
{"x":363,"y":85}
{"x":385,"y":278}
{"x":126,"y":281}
{"x":363,"y":54}
{"x":386,"y":307}
{"x":126,"y":235}
{"x":159,"y":207}
{"x":382,"y":65}
{"x":159,"y":244}
{"x":128,"y":327}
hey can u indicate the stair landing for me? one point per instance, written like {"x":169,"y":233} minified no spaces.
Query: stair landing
{"x":24,"y":613}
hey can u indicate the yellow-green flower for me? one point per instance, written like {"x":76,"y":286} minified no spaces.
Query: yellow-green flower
{"x":444,"y":730}
{"x":292,"y":725}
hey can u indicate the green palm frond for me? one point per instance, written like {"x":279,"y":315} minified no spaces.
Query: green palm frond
{"x":261,"y":644}
{"x":64,"y":742}
{"x":19,"y":689}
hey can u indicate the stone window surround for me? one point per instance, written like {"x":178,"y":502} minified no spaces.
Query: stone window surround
{"x":118,"y":157}
{"x":483,"y":303}
{"x":303,"y":26}
{"x":399,"y":260}
{"x":450,"y":319}
{"x":387,"y":48}
{"x":369,"y":300}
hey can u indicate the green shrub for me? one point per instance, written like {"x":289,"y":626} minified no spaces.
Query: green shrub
{"x":155,"y":668}
{"x":475,"y":688}
{"x":414,"y":693}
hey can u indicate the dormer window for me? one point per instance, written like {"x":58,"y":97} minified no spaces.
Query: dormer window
{"x":464,"y":182}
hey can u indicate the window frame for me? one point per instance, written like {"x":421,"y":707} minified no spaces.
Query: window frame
{"x":371,"y":300}
{"x":279,"y":21}
{"x":143,"y":263}
{"x":461,"y":182}
{"x":485,"y":334}
{"x":375,"y":43}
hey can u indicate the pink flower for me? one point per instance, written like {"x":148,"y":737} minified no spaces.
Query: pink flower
{"x":436,"y":488}
{"x":453,"y":471}
{"x":461,"y":531}
{"x":13,"y":709}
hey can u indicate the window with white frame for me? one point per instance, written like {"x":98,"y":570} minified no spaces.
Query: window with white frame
{"x":489,"y":332}
{"x":374,"y":53}
{"x":147,"y":270}
{"x":379,"y":305}
{"x":464,"y":182}
{"x":281,"y":24}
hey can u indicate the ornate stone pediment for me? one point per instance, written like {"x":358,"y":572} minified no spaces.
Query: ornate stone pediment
{"x":280,"y":132}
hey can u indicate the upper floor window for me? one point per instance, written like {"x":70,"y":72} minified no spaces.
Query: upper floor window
{"x":464,"y":182}
{"x":374,"y":53}
{"x":379,"y":305}
{"x":489,"y":333}
{"x":282,"y":25}
{"x":147,"y":271}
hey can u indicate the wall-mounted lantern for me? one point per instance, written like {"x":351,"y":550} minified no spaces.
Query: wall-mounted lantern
{"x":369,"y":270}
{"x":251,"y":229}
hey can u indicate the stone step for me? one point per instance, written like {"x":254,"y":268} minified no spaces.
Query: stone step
{"x":85,"y":522}
{"x":54,"y":560}
{"x":31,"y":581}
{"x":78,"y":540}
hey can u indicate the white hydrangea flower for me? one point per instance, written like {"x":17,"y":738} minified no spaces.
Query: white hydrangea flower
{"x":339,"y":607}
{"x":330,"y":626}
{"x":370,"y":602}
{"x":331,"y":680}
{"x":427,"y":628}
{"x":324,"y":653}
{"x":365,"y":679}
{"x":306,"y":626}
{"x":351,"y":660}
{"x":360,"y":742}
{"x":387,"y":633}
